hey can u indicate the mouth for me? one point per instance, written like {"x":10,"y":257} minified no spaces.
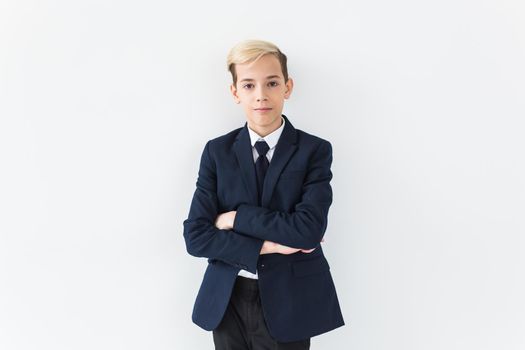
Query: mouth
{"x":262,"y":109}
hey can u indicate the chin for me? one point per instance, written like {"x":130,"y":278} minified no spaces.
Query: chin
{"x":264,"y":119}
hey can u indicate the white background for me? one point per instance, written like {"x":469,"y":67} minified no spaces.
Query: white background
{"x":106,"y":106}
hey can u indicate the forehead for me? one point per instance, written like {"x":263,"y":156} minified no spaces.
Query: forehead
{"x":267,"y":66}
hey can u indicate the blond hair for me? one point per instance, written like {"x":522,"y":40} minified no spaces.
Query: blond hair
{"x":251,"y":50}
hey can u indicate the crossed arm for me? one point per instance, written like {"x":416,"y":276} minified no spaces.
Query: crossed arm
{"x":239,"y":237}
{"x":226,"y":220}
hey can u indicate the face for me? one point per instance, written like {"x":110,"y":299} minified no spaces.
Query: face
{"x":261,"y":91}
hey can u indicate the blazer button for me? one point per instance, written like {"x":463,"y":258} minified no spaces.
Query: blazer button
{"x":262,"y":265}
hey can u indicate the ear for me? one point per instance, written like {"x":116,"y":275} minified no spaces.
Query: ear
{"x":289,"y":88}
{"x":233,"y":91}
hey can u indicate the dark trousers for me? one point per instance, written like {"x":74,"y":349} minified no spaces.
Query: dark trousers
{"x":243,"y":326}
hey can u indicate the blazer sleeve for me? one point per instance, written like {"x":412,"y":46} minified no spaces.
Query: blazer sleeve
{"x":305,"y":226}
{"x":202,"y":237}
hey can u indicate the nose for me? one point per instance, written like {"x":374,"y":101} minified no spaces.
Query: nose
{"x":261,"y":94}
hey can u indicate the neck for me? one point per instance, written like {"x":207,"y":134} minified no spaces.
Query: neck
{"x":263,"y":131}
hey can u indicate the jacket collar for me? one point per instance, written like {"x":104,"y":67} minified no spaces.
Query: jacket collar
{"x":271,"y":139}
{"x":284,"y":149}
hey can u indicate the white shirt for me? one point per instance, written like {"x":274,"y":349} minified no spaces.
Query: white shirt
{"x":271,"y":139}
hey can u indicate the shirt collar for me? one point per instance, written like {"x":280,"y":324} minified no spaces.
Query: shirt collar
{"x":271,"y":139}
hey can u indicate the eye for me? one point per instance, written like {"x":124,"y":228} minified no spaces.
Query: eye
{"x":274,"y":82}
{"x":244,"y":86}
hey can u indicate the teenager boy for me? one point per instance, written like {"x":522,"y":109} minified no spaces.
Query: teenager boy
{"x":258,"y":214}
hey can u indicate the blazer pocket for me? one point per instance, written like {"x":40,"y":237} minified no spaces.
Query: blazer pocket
{"x":302,"y":268}
{"x":292,"y":174}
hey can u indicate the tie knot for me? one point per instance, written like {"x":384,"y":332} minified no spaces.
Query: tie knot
{"x":262,"y":147}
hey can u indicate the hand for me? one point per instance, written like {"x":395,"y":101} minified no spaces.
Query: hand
{"x":225,"y":221}
{"x":270,"y":247}
{"x":310,"y":250}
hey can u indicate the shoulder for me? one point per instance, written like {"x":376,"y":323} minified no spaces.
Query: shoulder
{"x":224,"y":141}
{"x":221,"y":144}
{"x":229,"y":137}
{"x":312,"y":141}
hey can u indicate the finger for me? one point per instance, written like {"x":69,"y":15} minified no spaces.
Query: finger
{"x":307,"y":250}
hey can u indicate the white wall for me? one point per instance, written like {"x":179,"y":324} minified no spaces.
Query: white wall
{"x":106,"y":105}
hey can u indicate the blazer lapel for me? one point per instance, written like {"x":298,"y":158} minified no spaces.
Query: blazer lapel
{"x":285,"y":148}
{"x":243,"y":151}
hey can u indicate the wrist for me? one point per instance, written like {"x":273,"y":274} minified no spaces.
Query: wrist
{"x":268,"y":247}
{"x":233,"y":215}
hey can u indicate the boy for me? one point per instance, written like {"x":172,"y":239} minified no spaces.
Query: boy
{"x":258,"y":214}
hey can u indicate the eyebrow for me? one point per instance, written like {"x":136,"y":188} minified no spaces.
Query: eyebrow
{"x":268,"y":77}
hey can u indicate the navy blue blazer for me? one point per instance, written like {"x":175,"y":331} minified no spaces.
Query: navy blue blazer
{"x":298,"y":295}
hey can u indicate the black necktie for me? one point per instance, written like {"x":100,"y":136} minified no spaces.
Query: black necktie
{"x":261,"y":165}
